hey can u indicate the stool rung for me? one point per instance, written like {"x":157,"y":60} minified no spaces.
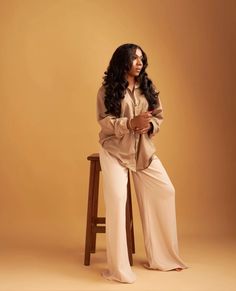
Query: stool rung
{"x":100,"y":220}
{"x":99,"y":229}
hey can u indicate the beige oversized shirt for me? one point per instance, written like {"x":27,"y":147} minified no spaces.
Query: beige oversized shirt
{"x":133,"y":150}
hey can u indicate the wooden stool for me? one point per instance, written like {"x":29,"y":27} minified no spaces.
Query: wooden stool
{"x":92,"y":213}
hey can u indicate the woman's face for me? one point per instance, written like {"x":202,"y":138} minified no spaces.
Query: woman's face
{"x":137,"y":64}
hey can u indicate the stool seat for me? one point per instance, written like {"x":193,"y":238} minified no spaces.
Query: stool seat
{"x":97,"y":224}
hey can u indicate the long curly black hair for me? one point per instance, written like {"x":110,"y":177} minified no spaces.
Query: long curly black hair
{"x":116,"y":84}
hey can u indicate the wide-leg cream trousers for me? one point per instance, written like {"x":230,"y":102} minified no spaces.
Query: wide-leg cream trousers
{"x":156,"y":200}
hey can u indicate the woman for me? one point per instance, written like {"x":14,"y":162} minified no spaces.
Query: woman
{"x":129,"y":112}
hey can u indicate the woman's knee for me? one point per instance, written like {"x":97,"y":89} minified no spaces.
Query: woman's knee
{"x":115,"y":194}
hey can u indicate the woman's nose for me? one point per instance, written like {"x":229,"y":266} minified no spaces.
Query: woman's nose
{"x":139,"y":61}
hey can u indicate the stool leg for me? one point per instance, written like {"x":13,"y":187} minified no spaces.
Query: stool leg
{"x":88,"y":238}
{"x":129,"y":224}
{"x":129,"y":201}
{"x":95,"y":207}
{"x":128,"y":235}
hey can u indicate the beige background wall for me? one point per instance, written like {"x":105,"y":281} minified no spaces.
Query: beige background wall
{"x":52,"y":58}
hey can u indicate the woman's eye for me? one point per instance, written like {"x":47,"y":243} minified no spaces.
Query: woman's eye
{"x":134,"y":58}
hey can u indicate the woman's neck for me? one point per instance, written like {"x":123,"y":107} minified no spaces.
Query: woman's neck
{"x":131,"y":81}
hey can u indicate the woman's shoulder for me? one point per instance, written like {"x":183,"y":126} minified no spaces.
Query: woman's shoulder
{"x":101,"y":90}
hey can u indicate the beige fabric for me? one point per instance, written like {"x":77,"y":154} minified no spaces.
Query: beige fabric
{"x":156,"y":199}
{"x":133,"y":150}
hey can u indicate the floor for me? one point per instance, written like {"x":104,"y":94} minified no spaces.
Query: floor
{"x":211,"y":261}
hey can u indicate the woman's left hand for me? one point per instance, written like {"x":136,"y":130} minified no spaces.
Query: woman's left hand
{"x":143,"y":130}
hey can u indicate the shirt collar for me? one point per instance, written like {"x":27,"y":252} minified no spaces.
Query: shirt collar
{"x":137,"y":85}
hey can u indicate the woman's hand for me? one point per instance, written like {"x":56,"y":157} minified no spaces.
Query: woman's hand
{"x":141,"y":122}
{"x":143,"y":130}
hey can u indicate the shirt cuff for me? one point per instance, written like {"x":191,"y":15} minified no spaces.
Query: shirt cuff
{"x":121,"y":127}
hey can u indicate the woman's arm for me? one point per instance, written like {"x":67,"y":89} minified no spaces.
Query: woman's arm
{"x":157,"y":118}
{"x":110,"y":124}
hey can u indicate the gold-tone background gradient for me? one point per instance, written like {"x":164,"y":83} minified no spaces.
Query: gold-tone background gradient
{"x":52,"y":58}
